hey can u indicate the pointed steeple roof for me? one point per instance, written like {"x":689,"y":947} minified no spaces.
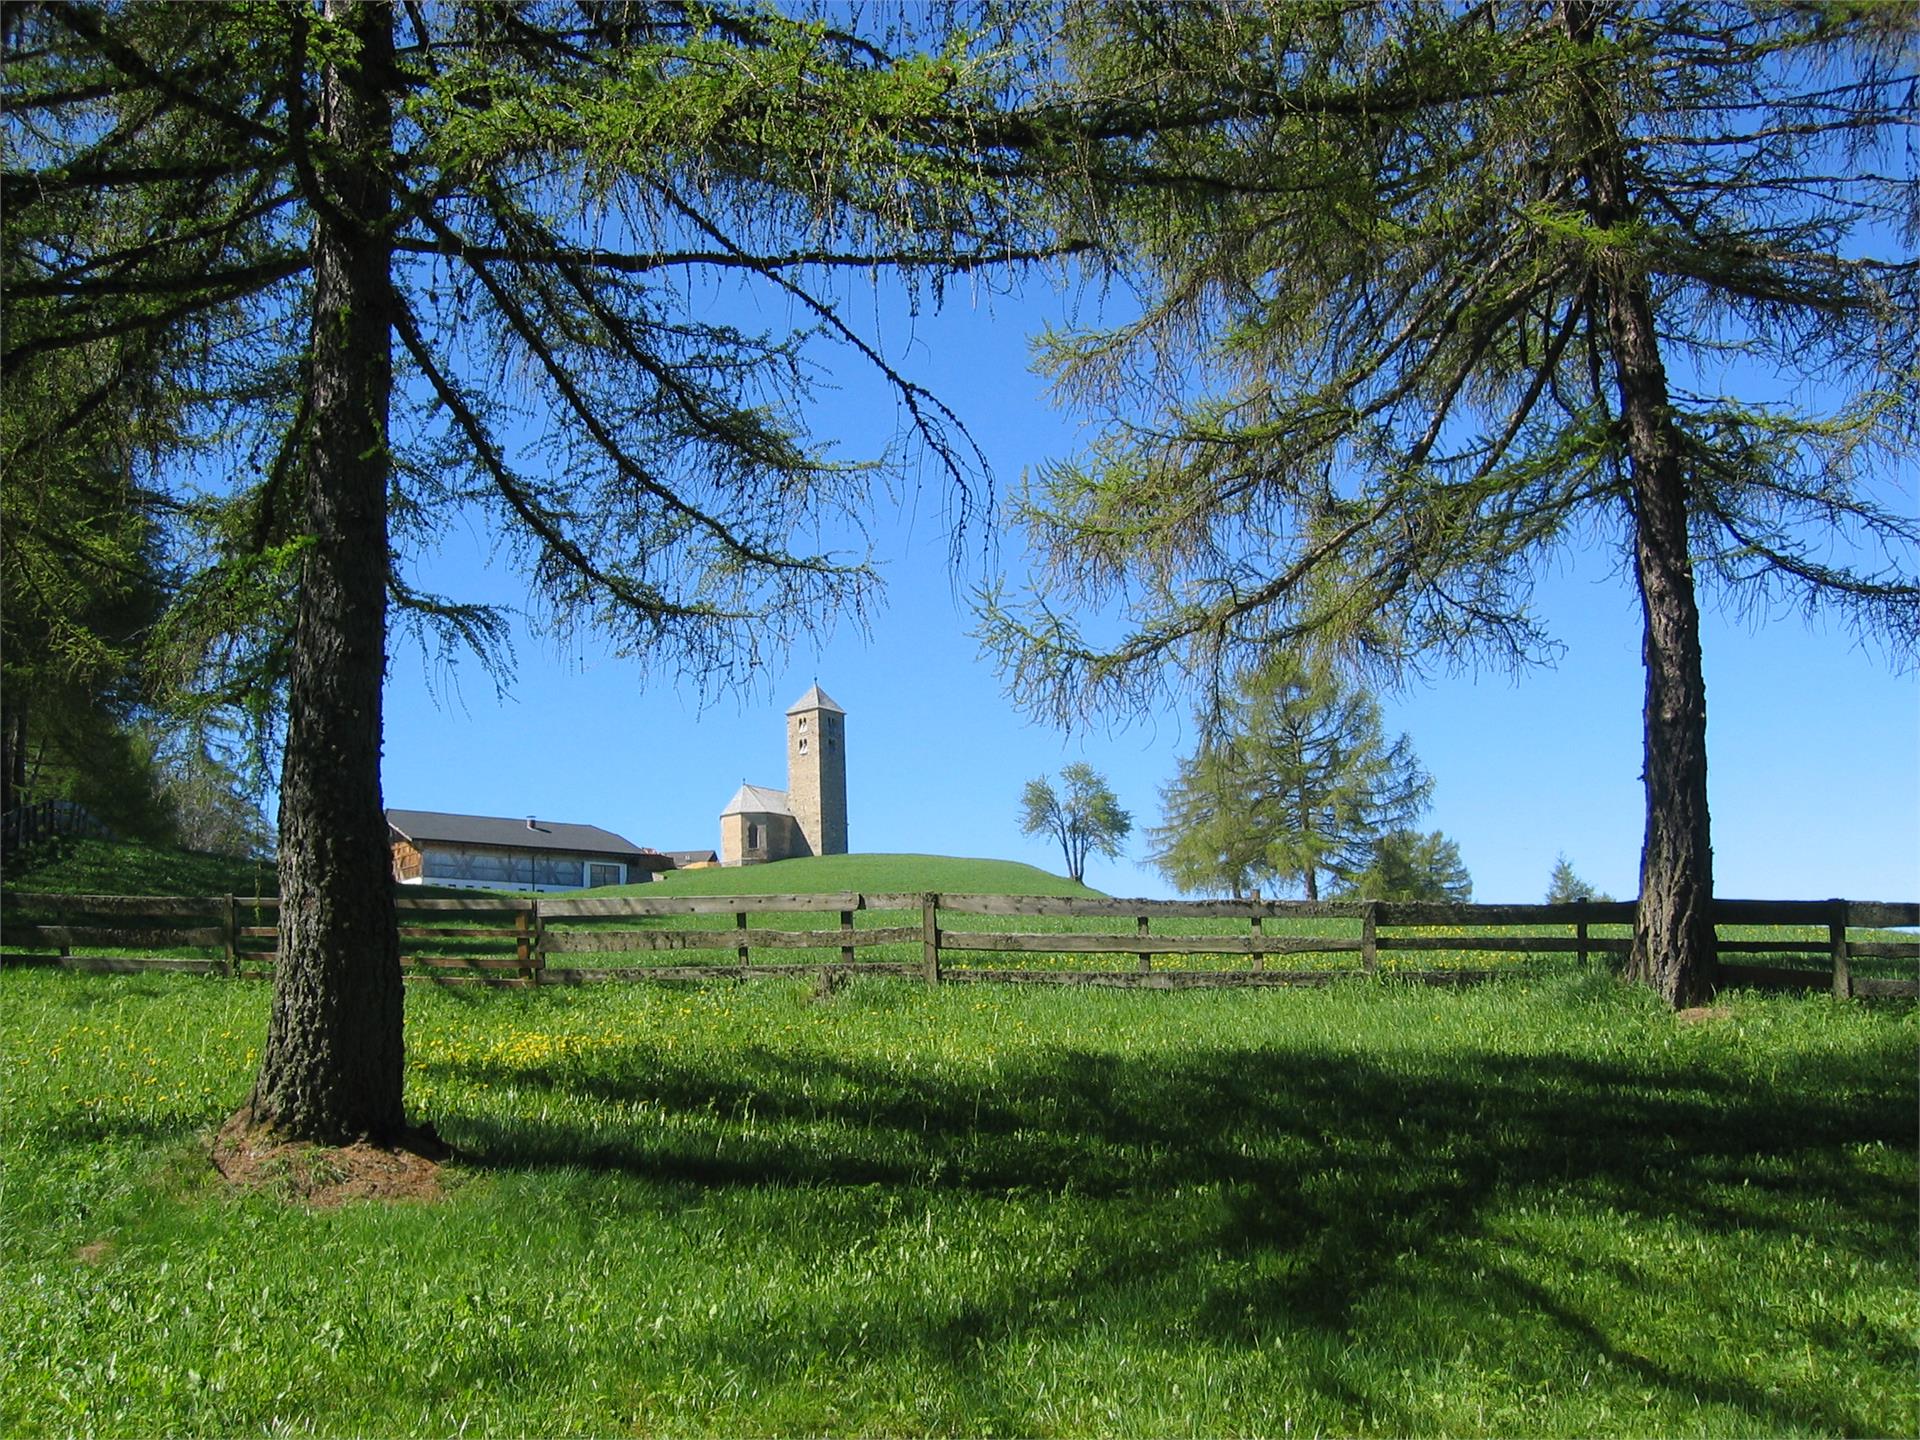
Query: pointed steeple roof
{"x":814,"y":699}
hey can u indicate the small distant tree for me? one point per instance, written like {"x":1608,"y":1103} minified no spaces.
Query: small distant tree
{"x":1410,"y":866}
{"x":1295,"y":783}
{"x":1084,"y":815}
{"x":1564,"y":887}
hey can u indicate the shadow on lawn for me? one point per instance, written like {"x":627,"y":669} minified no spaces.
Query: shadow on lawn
{"x":1341,"y":1184}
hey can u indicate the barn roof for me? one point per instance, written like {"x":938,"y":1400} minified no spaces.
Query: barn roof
{"x":757,"y":800}
{"x":421,"y":826}
{"x":814,"y":699}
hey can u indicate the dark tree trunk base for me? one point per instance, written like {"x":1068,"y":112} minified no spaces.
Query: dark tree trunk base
{"x":251,"y":1156}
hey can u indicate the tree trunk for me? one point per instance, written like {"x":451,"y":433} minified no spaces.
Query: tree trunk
{"x":1675,"y":948}
{"x":13,"y":748}
{"x":1304,"y":805}
{"x":333,"y":1067}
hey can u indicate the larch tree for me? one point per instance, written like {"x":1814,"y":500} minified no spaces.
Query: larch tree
{"x":84,"y":573}
{"x":1564,"y":886}
{"x":1294,"y":781}
{"x":1409,"y":865}
{"x":1203,"y":844}
{"x":410,"y":262}
{"x":1431,"y":291}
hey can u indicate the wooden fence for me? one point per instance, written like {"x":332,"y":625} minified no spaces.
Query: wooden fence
{"x":25,"y":826}
{"x":507,"y":940}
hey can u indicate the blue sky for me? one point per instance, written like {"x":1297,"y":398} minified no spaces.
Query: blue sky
{"x":1814,"y":745}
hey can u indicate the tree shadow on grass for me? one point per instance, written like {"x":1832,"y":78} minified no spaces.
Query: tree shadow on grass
{"x":1339,"y":1182}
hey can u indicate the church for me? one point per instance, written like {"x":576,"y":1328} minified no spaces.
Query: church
{"x":809,"y":817}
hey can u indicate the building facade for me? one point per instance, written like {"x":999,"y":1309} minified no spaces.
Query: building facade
{"x":488,"y":852}
{"x":809,"y":817}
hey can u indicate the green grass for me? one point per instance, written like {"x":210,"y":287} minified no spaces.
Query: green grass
{"x":122,"y":867}
{"x":91,"y":866}
{"x":872,"y":874}
{"x":1540,"y":1207}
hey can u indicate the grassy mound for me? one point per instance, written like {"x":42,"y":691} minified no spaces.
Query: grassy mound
{"x":128,"y":867}
{"x":871,"y":874}
{"x":91,"y":866}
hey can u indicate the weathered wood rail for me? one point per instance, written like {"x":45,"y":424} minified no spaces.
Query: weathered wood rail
{"x":507,"y":940}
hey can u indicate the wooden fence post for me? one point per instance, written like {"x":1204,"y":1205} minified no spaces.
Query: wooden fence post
{"x":1146,"y":960}
{"x":1259,"y":956}
{"x":846,"y":937}
{"x":1370,"y":937}
{"x":740,"y":931}
{"x":1837,"y":941}
{"x":1580,"y":933}
{"x":231,"y":924}
{"x":930,"y":938}
{"x":523,"y":941}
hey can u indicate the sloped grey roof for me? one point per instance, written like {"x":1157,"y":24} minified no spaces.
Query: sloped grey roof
{"x":690,"y":857}
{"x":814,"y":699}
{"x":757,"y":800}
{"x":427,"y":825}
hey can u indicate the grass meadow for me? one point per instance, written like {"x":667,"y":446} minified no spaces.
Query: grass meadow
{"x":1541,"y":1206}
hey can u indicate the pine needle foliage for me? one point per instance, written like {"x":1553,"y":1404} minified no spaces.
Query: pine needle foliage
{"x":1430,"y":293}
{"x":414,"y":265}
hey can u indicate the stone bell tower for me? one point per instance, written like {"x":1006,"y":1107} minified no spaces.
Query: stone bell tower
{"x":817,"y":772}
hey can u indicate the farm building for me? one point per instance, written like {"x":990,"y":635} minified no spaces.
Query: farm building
{"x":809,"y":817}
{"x":693,"y":859}
{"x":485,"y":852}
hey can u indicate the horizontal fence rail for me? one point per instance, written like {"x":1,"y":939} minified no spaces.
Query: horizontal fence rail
{"x":509,"y":940}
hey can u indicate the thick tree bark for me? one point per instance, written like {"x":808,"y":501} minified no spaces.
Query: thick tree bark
{"x":333,"y":1066}
{"x":1674,"y":943}
{"x":1675,"y":948}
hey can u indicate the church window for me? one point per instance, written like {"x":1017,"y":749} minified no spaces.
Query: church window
{"x":753,"y":836}
{"x":803,"y":744}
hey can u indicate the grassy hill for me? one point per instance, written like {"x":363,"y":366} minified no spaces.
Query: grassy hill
{"x":91,"y":866}
{"x":872,"y":874}
{"x":121,"y":867}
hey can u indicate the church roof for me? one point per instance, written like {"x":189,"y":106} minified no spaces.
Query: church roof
{"x":814,"y":699}
{"x":757,"y":800}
